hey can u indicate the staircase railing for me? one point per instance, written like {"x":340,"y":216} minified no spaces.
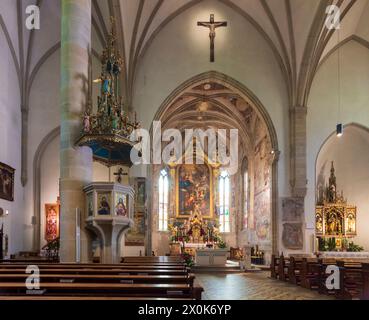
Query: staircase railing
{"x":52,"y":249}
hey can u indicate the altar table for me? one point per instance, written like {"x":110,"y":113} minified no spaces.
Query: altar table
{"x":211,"y":257}
{"x":344,"y":255}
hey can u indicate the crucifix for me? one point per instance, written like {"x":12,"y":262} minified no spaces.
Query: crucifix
{"x":212,"y":25}
{"x":119,"y":174}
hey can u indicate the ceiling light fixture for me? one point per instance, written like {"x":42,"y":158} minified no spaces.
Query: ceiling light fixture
{"x":339,"y":127}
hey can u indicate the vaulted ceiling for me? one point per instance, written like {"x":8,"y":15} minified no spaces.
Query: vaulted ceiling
{"x":294,"y":30}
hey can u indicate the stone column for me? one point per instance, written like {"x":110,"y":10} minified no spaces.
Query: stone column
{"x":75,"y":163}
{"x":298,"y":151}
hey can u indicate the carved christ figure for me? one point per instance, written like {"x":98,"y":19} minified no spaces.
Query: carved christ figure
{"x":212,"y":25}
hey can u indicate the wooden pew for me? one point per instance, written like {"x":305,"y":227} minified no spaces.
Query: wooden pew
{"x":133,"y":271}
{"x":145,"y":278}
{"x":294,"y":270}
{"x":283,"y":268}
{"x":323,"y":264}
{"x":28,"y":260}
{"x":81,"y":298}
{"x":96,"y":267}
{"x":310,"y":273}
{"x":365,"y":273}
{"x":106,"y":289}
{"x":274,"y":267}
{"x":351,"y":280}
{"x":98,"y":278}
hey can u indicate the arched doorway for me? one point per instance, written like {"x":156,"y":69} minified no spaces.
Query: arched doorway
{"x":350,"y":156}
{"x":215,"y":101}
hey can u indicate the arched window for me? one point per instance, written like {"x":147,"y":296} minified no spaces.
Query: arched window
{"x":245,"y":194}
{"x":163,"y":200}
{"x":224,"y":193}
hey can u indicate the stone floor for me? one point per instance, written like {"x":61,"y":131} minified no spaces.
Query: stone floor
{"x":251,"y":286}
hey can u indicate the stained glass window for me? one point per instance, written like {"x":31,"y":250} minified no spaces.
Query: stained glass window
{"x":245,"y":198}
{"x":163,"y":200}
{"x":224,"y":193}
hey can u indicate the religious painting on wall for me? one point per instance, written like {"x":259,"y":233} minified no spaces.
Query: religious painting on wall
{"x":292,"y":236}
{"x":51,"y":221}
{"x":194,"y":190}
{"x":121,"y":204}
{"x":262,"y":183}
{"x":6,"y":182}
{"x":103,"y":203}
{"x":262,"y":209}
{"x":293,"y":209}
{"x":140,"y":195}
{"x":136,"y":235}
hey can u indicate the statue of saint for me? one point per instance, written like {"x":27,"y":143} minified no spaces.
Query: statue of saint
{"x":86,"y":123}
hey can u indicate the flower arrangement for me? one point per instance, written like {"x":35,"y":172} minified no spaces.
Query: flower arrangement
{"x":188,"y":259}
{"x":222,"y":244}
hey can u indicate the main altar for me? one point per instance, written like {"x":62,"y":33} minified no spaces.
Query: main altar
{"x":195,"y":228}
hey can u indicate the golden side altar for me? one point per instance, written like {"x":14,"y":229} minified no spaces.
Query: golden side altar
{"x":335,"y":219}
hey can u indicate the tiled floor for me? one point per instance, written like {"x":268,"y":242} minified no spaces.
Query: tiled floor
{"x":251,"y":286}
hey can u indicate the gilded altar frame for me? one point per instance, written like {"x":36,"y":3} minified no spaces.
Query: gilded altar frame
{"x":347,"y":220}
{"x":211,"y":187}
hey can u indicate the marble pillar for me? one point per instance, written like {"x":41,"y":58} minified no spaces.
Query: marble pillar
{"x":75,"y":163}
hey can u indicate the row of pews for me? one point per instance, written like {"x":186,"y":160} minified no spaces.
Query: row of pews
{"x":134,"y":278}
{"x":311,"y":273}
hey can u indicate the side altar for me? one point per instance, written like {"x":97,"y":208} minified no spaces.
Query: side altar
{"x":335,"y":219}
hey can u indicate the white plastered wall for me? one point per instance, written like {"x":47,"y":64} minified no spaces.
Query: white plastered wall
{"x":10,"y":136}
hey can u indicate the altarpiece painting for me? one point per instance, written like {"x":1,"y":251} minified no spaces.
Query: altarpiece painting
{"x":194,"y":190}
{"x":51,"y":221}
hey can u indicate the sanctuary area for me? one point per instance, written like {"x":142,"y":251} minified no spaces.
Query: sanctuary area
{"x":193,"y":149}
